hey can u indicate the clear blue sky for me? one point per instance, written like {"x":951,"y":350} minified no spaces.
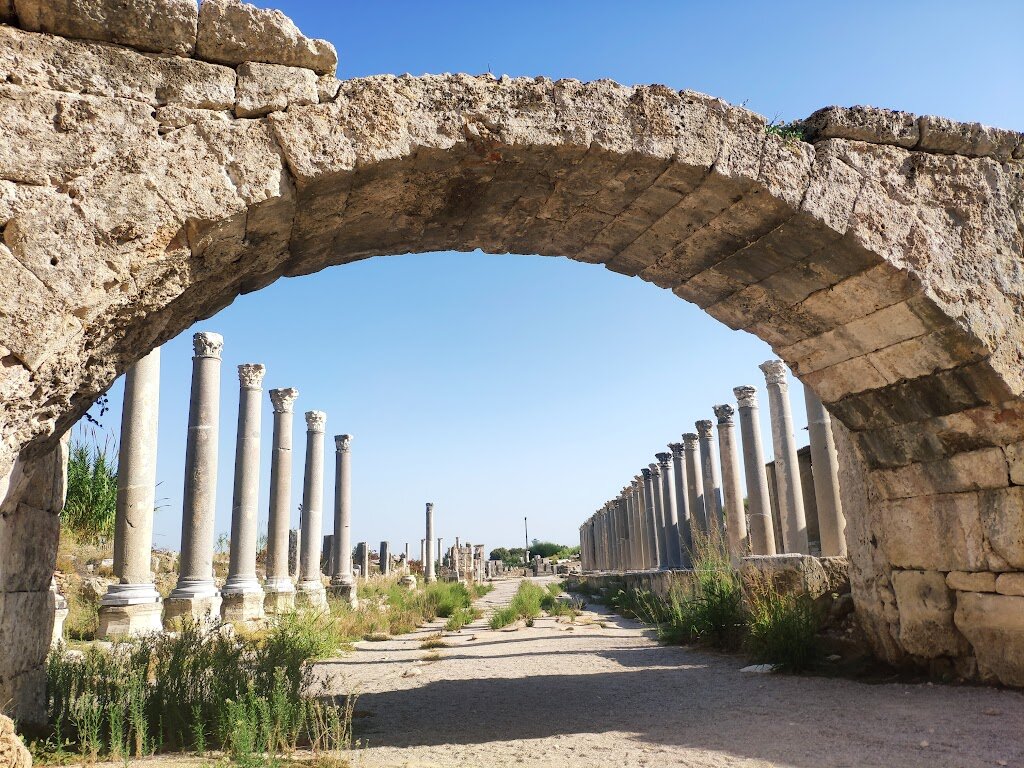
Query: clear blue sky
{"x":504,"y":386}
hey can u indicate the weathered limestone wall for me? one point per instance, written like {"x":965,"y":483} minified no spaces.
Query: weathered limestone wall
{"x":151,"y":172}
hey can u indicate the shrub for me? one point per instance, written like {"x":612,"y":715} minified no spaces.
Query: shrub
{"x":525,"y":604}
{"x":782,"y":628}
{"x":461,"y":618}
{"x":91,"y":505}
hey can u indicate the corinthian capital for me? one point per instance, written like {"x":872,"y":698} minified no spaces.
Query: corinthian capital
{"x":746,"y":396}
{"x":704,"y":428}
{"x":663,"y":459}
{"x":690,"y":441}
{"x":316,"y":421}
{"x":343,"y":443}
{"x":646,"y":472}
{"x":208,"y":344}
{"x":250,"y":375}
{"x":676,"y":448}
{"x":283,"y":399}
{"x":724,"y":413}
{"x":655,"y":470}
{"x":774,"y":372}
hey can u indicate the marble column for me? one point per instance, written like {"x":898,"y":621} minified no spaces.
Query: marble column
{"x":195,"y":594}
{"x":310,"y":589}
{"x":342,"y":583}
{"x":440,"y":549}
{"x":787,"y":472}
{"x":458,"y":560}
{"x":699,"y":521}
{"x":384,"y":558}
{"x":671,"y":511}
{"x":132,"y":606}
{"x":711,"y":480}
{"x":682,"y":505}
{"x":759,"y":508}
{"x":364,"y":559}
{"x":732,"y":483}
{"x":631,"y":529}
{"x":242,"y":596}
{"x":638,"y":524}
{"x":278,"y":587}
{"x":408,"y":568}
{"x":428,"y":566}
{"x":825,"y":471}
{"x":658,"y":491}
{"x":423,"y":555}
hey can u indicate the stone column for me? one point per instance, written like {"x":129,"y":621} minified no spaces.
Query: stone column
{"x":711,"y":480}
{"x":278,"y":586}
{"x":631,"y":529}
{"x":787,"y":472}
{"x":458,"y":560}
{"x":440,"y":549}
{"x":669,"y":505}
{"x":196,"y":594}
{"x":695,"y":484}
{"x":654,"y":558}
{"x":423,"y":555}
{"x":638,"y":524}
{"x":825,"y":471}
{"x":408,"y":568}
{"x":310,"y":589}
{"x":385,"y":558}
{"x":133,"y":606}
{"x":759,"y":509}
{"x":682,"y":505}
{"x":343,"y":585}
{"x":732,"y":483}
{"x":658,"y":492}
{"x":242,"y":596}
{"x":428,"y":565}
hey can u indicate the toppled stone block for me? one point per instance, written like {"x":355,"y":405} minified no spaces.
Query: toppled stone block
{"x":926,"y":607}
{"x":266,"y":88}
{"x":982,"y":581}
{"x":1010,"y":584}
{"x":870,"y":124}
{"x":994,"y":625}
{"x":13,"y":752}
{"x":798,"y":574}
{"x":161,"y":26}
{"x":940,"y":134}
{"x":233,"y":32}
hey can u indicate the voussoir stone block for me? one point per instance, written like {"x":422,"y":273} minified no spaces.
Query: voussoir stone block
{"x":870,"y":124}
{"x":994,"y":626}
{"x":265,"y":88}
{"x":940,"y":134}
{"x":926,"y":608}
{"x":162,"y":26}
{"x":232,"y":32}
{"x":965,"y":581}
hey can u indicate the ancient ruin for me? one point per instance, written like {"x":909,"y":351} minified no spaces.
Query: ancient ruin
{"x":160,"y":161}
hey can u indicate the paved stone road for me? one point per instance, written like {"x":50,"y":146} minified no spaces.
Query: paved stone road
{"x":606,"y":694}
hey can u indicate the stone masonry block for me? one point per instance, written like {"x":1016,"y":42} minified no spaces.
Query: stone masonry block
{"x":994,"y":626}
{"x":926,"y":607}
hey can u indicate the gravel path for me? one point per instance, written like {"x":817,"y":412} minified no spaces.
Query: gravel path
{"x":607,"y":694}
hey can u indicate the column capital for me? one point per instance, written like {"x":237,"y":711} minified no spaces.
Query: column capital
{"x":316,"y":421}
{"x":774,"y":372}
{"x":690,"y":441}
{"x":655,"y":470}
{"x":250,"y":375}
{"x":283,"y":399}
{"x":704,"y":428}
{"x":677,"y":449}
{"x":746,"y":396}
{"x":663,"y":459}
{"x":430,"y":506}
{"x":724,"y":413}
{"x":646,"y":473}
{"x":343,"y":443}
{"x":637,"y":479}
{"x":207,"y":344}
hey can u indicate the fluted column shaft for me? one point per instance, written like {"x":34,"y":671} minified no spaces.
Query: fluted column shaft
{"x":825,"y":470}
{"x":310,"y":585}
{"x":787,"y":471}
{"x":428,"y":567}
{"x":759,"y":509}
{"x":682,"y":505}
{"x":278,"y":578}
{"x":195,"y":579}
{"x":245,"y":500}
{"x":658,"y":491}
{"x":651,"y":516}
{"x":695,"y":483}
{"x":732,"y":482}
{"x":711,"y":479}
{"x":669,"y":505}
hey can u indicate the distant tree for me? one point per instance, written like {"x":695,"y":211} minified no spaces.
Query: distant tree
{"x":544,"y":548}
{"x":508,"y":556}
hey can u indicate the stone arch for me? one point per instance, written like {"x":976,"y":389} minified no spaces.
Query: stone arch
{"x":877,"y":252}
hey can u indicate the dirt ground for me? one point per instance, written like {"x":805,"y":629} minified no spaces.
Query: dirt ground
{"x":604,"y":693}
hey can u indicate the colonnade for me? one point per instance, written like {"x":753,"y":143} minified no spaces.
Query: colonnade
{"x":132,"y":605}
{"x":695,"y":491}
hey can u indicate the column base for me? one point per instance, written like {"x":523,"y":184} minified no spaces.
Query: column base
{"x":310,"y":594}
{"x":279,"y":602}
{"x":345,"y":593}
{"x":128,"y":620}
{"x":241,"y":607}
{"x":203,"y":609}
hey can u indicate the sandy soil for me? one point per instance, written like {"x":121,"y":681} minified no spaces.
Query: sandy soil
{"x":607,"y":694}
